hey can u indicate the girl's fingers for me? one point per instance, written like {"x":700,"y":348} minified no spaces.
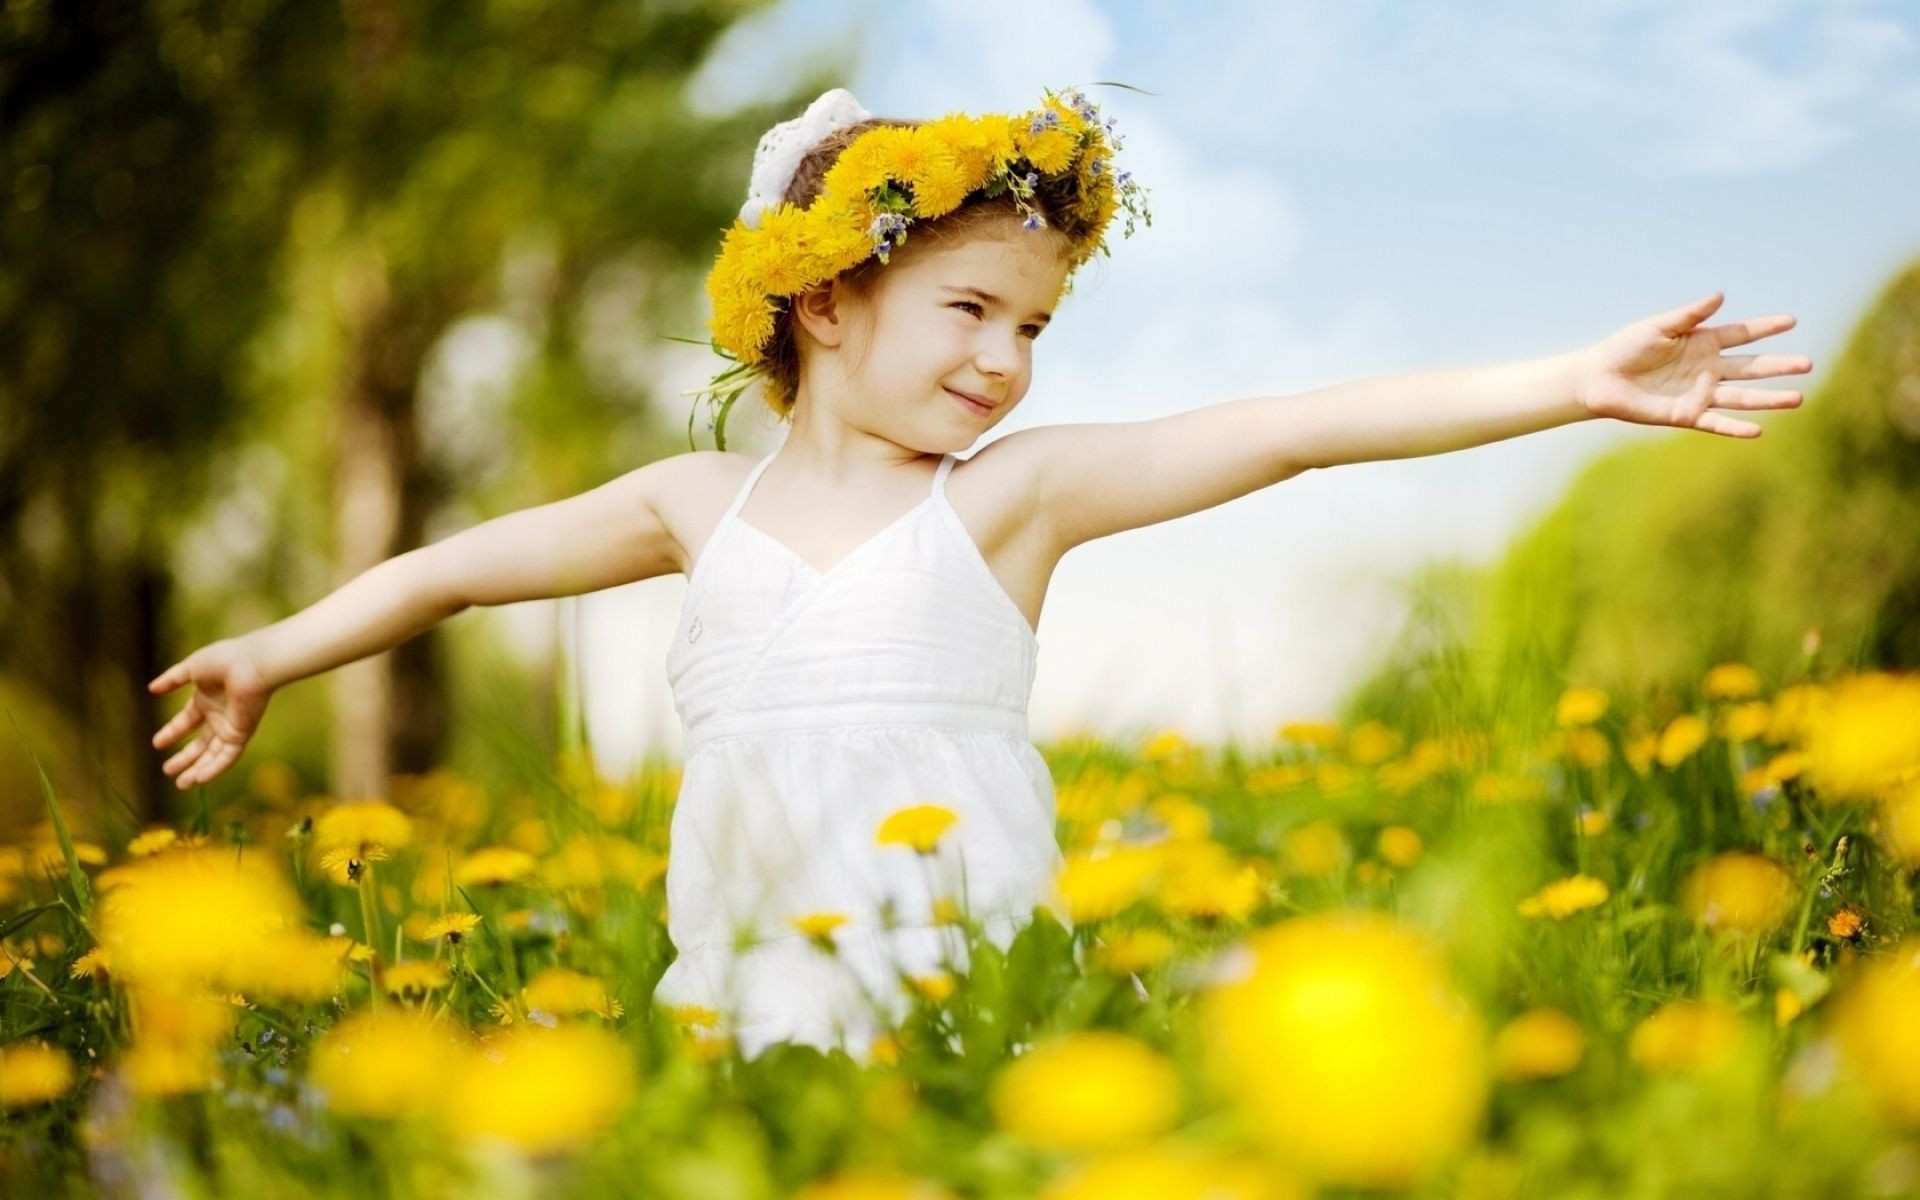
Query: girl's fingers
{"x":168,"y":679}
{"x":1754,"y":398}
{"x":1763,"y":366}
{"x":1739,"y":333}
{"x":222,"y":758}
{"x":187,"y":718}
{"x":184,"y":759}
{"x":1715,"y":423}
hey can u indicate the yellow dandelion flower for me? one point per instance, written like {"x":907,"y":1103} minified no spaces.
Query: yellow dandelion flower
{"x":1794,"y":708}
{"x":1347,"y":1048}
{"x":1745,"y":722}
{"x":693,"y":1016}
{"x":1582,"y":705}
{"x":1739,"y":892}
{"x":1591,"y":822}
{"x":1315,"y":850}
{"x":1847,"y":923}
{"x":1786,"y":1006}
{"x":452,"y":926}
{"x":1095,"y":885}
{"x":151,"y":841}
{"x":347,"y":866}
{"x":1399,"y":845}
{"x":1321,"y":734}
{"x":542,"y":1090}
{"x":1373,"y":742}
{"x":196,"y":916}
{"x":1565,"y":897}
{"x":1899,"y":813}
{"x":1538,"y":1044}
{"x":1086,"y":1091}
{"x":387,"y":1062}
{"x":867,"y":1183}
{"x":1685,"y":1035}
{"x":1202,"y":880}
{"x":169,"y":1068}
{"x":416,"y":977}
{"x":33,"y":1073}
{"x":819,"y":926}
{"x":1682,"y":736}
{"x":934,"y":988}
{"x":1732,"y":681}
{"x":565,"y":993}
{"x":93,"y":965}
{"x":1872,"y":1019}
{"x":1185,"y":821}
{"x":495,"y":865}
{"x":1169,"y":1169}
{"x":1134,"y":950}
{"x":361,"y":826}
{"x":1867,"y":736}
{"x":1587,"y":747}
{"x":919,"y":827}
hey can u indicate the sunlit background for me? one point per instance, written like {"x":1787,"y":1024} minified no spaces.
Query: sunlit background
{"x":1342,"y":190}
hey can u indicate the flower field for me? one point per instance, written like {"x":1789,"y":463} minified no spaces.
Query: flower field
{"x":1563,"y":946}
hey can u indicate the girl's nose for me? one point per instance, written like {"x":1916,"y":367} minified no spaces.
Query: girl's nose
{"x":998,"y":355}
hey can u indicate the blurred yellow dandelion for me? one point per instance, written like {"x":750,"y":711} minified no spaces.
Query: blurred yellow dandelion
{"x":542,"y":1090}
{"x":452,"y":926}
{"x":1564,"y":897}
{"x":1682,"y":736}
{"x":919,"y":827}
{"x":1581,"y":705}
{"x":1731,"y":681}
{"x":1739,"y":892}
{"x":387,"y":1062}
{"x":1399,"y":845}
{"x":1866,"y":738}
{"x":1872,"y":1019}
{"x":495,"y":865}
{"x":1347,"y":1047}
{"x":1540,"y":1043}
{"x":1087,"y":1090}
{"x":416,"y":977}
{"x":33,"y":1073}
{"x":1685,"y":1035}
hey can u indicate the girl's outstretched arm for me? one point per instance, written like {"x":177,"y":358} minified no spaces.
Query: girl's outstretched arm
{"x":1096,"y":479}
{"x":611,"y":535}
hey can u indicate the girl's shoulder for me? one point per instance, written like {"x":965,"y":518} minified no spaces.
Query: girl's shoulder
{"x":701,"y":485}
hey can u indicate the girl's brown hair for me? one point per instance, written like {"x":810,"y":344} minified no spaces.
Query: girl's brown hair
{"x":1057,"y":197}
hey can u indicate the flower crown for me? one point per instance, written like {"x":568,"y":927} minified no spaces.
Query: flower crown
{"x":885,"y":180}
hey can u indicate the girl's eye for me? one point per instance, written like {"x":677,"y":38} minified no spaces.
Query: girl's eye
{"x":973,"y":304}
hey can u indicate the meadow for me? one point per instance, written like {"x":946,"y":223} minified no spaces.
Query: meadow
{"x":1554,"y":944}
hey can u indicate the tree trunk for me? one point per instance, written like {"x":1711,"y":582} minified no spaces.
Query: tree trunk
{"x":389,"y":710}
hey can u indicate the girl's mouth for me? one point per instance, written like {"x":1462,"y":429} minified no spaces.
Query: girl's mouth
{"x":977,"y":409}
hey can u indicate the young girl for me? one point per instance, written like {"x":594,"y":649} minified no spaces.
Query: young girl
{"x":857,"y":639}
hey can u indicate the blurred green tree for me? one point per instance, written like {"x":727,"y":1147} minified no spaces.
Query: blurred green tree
{"x":1674,"y":553}
{"x":237,"y":238}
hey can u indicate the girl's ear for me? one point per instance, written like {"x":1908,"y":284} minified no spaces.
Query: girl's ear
{"x":822,"y":311}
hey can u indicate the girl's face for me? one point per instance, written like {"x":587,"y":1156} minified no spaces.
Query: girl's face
{"x":954,"y":317}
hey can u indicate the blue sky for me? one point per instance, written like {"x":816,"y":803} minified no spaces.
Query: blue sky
{"x":1351,"y":189}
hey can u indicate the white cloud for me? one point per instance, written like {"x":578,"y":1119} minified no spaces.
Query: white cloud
{"x":1667,"y":88}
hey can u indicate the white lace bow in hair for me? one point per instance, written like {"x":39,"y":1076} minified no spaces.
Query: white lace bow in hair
{"x":783,"y":146}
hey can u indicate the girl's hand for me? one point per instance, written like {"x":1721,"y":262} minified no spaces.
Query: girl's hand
{"x":229,"y":697}
{"x":1664,"y":371}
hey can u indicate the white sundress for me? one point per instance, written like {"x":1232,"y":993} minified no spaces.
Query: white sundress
{"x":816,"y":703}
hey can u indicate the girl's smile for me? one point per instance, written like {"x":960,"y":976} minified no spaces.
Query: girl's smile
{"x":972,"y":405}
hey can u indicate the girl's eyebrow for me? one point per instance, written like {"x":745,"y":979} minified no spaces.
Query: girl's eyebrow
{"x":1046,"y":318}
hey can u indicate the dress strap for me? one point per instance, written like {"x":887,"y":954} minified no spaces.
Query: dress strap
{"x":753,"y":477}
{"x":940,"y":476}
